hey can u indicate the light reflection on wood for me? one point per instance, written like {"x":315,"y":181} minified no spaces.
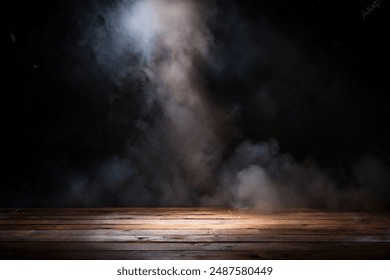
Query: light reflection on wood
{"x":193,"y":233}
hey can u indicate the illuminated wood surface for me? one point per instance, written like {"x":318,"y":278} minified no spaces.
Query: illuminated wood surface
{"x":191,"y":233}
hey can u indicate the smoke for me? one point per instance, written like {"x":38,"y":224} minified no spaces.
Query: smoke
{"x":259,"y":176}
{"x":172,"y":141}
{"x":173,"y":41}
{"x":183,"y":157}
{"x":254,"y":188}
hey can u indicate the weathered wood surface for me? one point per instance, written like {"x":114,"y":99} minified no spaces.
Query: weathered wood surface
{"x":192,"y":233}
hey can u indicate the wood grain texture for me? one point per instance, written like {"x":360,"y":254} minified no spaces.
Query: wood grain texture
{"x":192,"y":233}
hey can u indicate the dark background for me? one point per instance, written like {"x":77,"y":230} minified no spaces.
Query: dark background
{"x":310,"y":74}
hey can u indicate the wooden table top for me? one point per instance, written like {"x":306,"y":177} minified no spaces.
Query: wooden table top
{"x":192,"y":233}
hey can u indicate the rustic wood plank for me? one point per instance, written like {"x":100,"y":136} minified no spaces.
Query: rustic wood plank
{"x":192,"y":246}
{"x":88,"y":236}
{"x":200,"y":255}
{"x":236,"y":218}
{"x":200,"y":223}
{"x":221,"y":233}
{"x":195,"y":213}
{"x":235,"y":231}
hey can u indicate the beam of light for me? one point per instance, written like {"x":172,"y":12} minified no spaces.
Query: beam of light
{"x":172,"y":38}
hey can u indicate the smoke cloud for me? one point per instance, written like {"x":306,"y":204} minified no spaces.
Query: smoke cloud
{"x":175,"y":127}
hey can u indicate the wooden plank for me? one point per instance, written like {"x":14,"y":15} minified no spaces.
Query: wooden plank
{"x":190,"y":255}
{"x":232,"y":229}
{"x":200,"y":223}
{"x":87,"y":236}
{"x":368,"y":218}
{"x":189,"y":209}
{"x":193,"y":231}
{"x":201,"y":227}
{"x":221,"y":233}
{"x":204,"y":246}
{"x":214,"y":213}
{"x":157,"y":211}
{"x":185,"y":215}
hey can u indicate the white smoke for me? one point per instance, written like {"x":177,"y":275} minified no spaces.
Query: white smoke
{"x":255,"y":189}
{"x":173,"y":40}
{"x":260,"y":177}
{"x":185,"y":161}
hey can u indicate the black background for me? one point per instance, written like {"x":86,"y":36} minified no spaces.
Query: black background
{"x":325,"y":65}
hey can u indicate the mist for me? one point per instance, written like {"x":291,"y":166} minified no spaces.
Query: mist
{"x":189,"y":103}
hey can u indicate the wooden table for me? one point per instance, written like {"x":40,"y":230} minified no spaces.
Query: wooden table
{"x":192,"y":233}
